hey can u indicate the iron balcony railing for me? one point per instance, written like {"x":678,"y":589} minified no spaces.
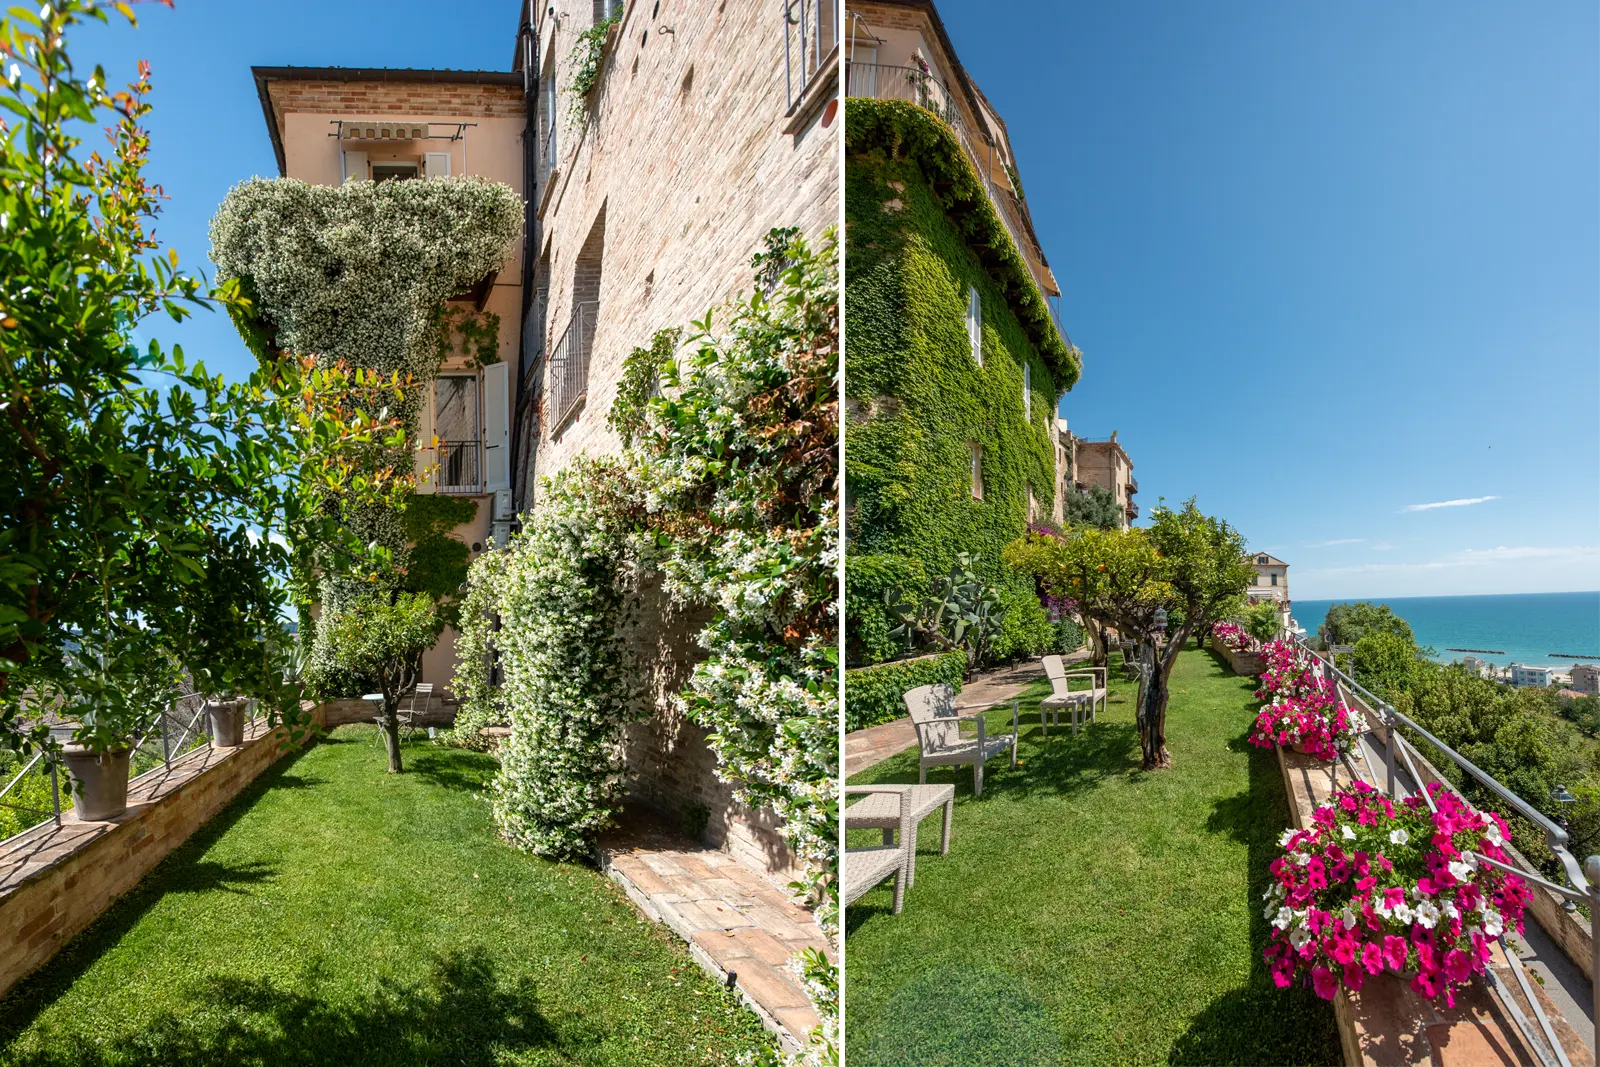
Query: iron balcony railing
{"x":1582,"y":882}
{"x":171,"y":733}
{"x":881,"y":81}
{"x":547,"y":150}
{"x":569,"y":364}
{"x":810,"y":34}
{"x":460,"y":467}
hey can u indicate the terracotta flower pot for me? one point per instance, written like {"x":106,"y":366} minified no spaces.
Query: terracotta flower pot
{"x":99,"y":781}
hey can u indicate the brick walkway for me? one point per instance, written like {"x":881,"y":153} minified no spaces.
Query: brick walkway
{"x":865,"y":748}
{"x":739,"y":924}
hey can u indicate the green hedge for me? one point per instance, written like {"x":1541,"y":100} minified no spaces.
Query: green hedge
{"x":921,"y":230}
{"x":872,"y":694}
{"x":867,"y":623}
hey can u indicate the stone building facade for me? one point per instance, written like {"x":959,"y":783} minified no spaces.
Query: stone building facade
{"x":329,"y":125}
{"x":1083,"y":464}
{"x":706,"y":125}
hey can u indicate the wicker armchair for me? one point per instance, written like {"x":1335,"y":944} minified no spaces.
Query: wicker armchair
{"x":933,"y":711}
{"x":864,"y":868}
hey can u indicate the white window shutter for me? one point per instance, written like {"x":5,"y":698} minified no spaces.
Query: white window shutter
{"x":975,"y":324}
{"x":428,"y":458}
{"x":496,"y":427}
{"x":355,"y":167}
{"x":437,"y":164}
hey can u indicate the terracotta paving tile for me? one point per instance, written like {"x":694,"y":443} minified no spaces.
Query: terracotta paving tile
{"x":770,"y":987}
{"x":759,"y":943}
{"x":798,"y":1020}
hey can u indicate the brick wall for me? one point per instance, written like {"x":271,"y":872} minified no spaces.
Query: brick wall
{"x":684,"y":160}
{"x":55,"y":881}
{"x":372,"y":99}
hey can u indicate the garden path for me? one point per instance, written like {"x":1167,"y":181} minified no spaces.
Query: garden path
{"x":741,"y":927}
{"x":866,"y":748}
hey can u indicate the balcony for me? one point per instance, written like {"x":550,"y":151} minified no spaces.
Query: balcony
{"x":880,"y":81}
{"x":460,"y":467}
{"x":1133,"y":511}
{"x":569,"y":365}
{"x":810,"y":41}
{"x":1133,"y":485}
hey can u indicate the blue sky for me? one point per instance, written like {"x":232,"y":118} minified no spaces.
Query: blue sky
{"x":1328,"y":263}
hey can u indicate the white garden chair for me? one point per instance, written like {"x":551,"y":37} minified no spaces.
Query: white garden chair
{"x":415,"y":709}
{"x":1063,"y":695}
{"x":933,"y":711}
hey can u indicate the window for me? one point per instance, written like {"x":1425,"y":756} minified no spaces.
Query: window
{"x":1261,"y":559}
{"x":393,"y":171}
{"x":975,"y":325}
{"x":1274,"y":579}
{"x":455,"y":423}
{"x":810,"y":34}
{"x":977,"y":470}
{"x":1027,"y":391}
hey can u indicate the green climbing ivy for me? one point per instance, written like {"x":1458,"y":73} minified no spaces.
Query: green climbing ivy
{"x":588,"y":59}
{"x":921,"y":232}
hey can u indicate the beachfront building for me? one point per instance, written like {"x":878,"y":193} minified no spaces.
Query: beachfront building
{"x":956,"y":357}
{"x":1482,"y":668}
{"x":1524,"y":675}
{"x":1083,"y":464}
{"x":1586,"y":678}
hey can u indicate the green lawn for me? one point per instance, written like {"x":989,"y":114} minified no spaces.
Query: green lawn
{"x":338,"y":915}
{"x":1089,"y":913}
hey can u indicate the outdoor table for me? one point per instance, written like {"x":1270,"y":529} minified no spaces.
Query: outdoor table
{"x":881,"y":811}
{"x":1075,"y":702}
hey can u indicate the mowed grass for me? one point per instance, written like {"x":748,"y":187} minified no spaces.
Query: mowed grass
{"x":1089,"y":913}
{"x":339,"y":915}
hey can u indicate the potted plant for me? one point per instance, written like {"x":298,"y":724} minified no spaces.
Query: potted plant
{"x":1373,"y":887}
{"x":227,"y":721}
{"x":115,"y":702}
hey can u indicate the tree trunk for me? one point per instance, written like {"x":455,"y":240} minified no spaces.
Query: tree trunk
{"x":1098,"y":656}
{"x":1151,"y":713}
{"x":391,"y":719}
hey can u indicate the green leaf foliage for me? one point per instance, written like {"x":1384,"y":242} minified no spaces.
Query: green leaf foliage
{"x":867,"y":578}
{"x":1346,"y":624}
{"x":872,"y":694}
{"x":922,"y":231}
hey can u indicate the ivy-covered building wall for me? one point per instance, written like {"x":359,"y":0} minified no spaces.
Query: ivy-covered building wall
{"x":944,"y":454}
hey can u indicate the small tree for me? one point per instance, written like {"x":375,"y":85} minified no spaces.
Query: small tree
{"x":1186,"y":570}
{"x":386,"y":641}
{"x":1347,"y":624}
{"x":1262,"y":621}
{"x":1096,"y":506}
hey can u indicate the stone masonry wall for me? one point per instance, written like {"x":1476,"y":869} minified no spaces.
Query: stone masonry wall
{"x":686,"y":153}
{"x":373,"y":99}
{"x":55,"y":881}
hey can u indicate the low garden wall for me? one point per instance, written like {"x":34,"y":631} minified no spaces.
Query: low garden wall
{"x":1244,"y":663}
{"x":333,"y":713}
{"x":56,"y":880}
{"x":872,"y":694}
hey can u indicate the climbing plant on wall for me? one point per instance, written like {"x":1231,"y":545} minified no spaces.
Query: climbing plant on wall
{"x":922,"y":233}
{"x":361,"y":274}
{"x":725,"y":496}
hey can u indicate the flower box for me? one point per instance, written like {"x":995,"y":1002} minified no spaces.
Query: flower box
{"x":1374,"y":887}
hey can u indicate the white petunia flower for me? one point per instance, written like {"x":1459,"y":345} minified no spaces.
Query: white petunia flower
{"x":1427,"y":914}
{"x":1459,"y":870}
{"x":1347,"y":833}
{"x":1285,"y":837}
{"x":1348,"y":917}
{"x":1398,"y":836}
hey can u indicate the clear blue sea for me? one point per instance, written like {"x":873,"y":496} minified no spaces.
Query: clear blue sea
{"x":1515,"y":627}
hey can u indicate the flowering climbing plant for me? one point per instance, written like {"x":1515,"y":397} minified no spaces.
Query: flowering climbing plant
{"x":1373,"y":886}
{"x":1303,"y":706}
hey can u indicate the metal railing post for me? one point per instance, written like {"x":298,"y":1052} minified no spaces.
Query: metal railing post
{"x":1389,"y":761}
{"x":55,"y":792}
{"x":1591,"y":869}
{"x":166,"y":743}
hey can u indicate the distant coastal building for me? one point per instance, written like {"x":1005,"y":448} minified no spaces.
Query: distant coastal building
{"x":1481,"y":668}
{"x":1586,"y":678}
{"x":1082,"y":464}
{"x":1570,"y":694}
{"x":1270,"y":583}
{"x":1522,"y":674}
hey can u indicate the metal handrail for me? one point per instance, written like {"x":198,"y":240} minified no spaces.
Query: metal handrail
{"x":810,"y":33}
{"x":1584,"y":882}
{"x":569,"y":364}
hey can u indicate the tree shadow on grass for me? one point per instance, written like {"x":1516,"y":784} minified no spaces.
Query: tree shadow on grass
{"x":1259,"y":1023}
{"x":461,"y":1014}
{"x":184,"y":871}
{"x":455,"y":770}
